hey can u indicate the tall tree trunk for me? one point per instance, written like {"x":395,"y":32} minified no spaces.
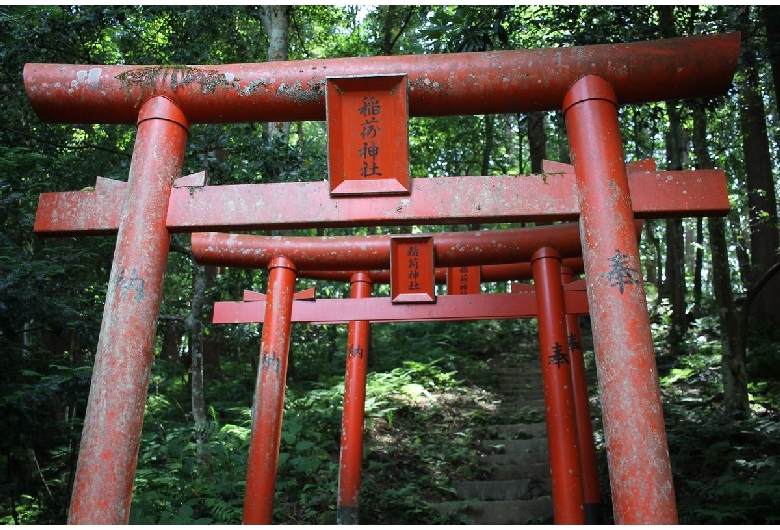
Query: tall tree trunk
{"x":771,"y":17}
{"x":564,"y":155}
{"x":276,"y":23}
{"x":511,"y":146}
{"x":171,"y":342}
{"x":732,"y":346}
{"x":655,"y":272}
{"x":489,"y":145}
{"x":487,"y":151}
{"x":195,"y":333}
{"x":742,"y":244}
{"x":520,"y":136}
{"x":213,"y":345}
{"x":537,"y":140}
{"x":387,"y":28}
{"x":394,"y":23}
{"x":674,"y":286}
{"x":762,"y":199}
{"x":698,"y":264}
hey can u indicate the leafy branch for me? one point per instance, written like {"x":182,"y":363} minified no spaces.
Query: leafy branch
{"x":42,"y":140}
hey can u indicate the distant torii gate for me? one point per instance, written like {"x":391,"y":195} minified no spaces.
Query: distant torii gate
{"x":459,"y":282}
{"x":587,"y":83}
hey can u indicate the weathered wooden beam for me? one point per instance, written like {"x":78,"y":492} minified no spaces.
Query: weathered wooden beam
{"x":381,"y":310}
{"x":446,"y":200}
{"x":506,"y":81}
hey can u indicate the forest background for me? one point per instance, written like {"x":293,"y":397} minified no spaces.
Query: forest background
{"x":712,"y":284}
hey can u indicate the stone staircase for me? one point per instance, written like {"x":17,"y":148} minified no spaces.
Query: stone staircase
{"x":516,"y":487}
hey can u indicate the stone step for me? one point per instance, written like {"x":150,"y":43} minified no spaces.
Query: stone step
{"x":504,"y":490}
{"x":514,"y":379}
{"x":505,"y":471}
{"x":515,"y":462}
{"x":507,"y":373}
{"x":522,"y":407}
{"x":513,"y":416}
{"x":501,"y":452}
{"x":507,"y":395}
{"x":525,"y":384}
{"x":514,"y":459}
{"x":513,"y":398}
{"x":520,"y":395}
{"x":514,"y":387}
{"x":536,"y":511}
{"x":519,"y":399}
{"x":517,"y":431}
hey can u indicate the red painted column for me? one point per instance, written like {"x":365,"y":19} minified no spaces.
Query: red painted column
{"x":558,"y":398}
{"x":108,"y":455}
{"x":351,"y":458}
{"x":268,"y":405}
{"x":587,"y":449}
{"x":637,"y":451}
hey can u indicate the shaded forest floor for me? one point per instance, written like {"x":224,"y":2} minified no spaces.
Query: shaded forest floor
{"x":429,"y":406}
{"x":426,"y":420}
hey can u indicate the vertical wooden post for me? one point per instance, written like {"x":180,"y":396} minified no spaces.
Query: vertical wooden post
{"x":558,"y":398}
{"x":112,"y":427}
{"x":351,"y":457}
{"x":579,"y":384}
{"x":637,"y":451}
{"x":268,"y":405}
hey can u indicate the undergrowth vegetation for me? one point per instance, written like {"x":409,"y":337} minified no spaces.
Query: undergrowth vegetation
{"x":424,"y":419}
{"x":428,"y":405}
{"x":426,"y":409}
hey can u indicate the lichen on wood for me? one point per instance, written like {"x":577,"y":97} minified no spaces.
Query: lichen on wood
{"x":151,"y":79}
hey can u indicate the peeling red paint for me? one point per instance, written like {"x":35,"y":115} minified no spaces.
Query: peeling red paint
{"x":373,"y":252}
{"x":639,"y":466}
{"x":587,"y":450}
{"x":114,"y":417}
{"x":268,"y":404}
{"x":476,"y":83}
{"x":589,"y":80}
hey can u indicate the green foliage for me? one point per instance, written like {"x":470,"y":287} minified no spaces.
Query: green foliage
{"x":725,"y":471}
{"x":173,"y":487}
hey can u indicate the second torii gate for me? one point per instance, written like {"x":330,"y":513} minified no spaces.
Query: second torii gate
{"x":546,"y":303}
{"x":586,"y":83}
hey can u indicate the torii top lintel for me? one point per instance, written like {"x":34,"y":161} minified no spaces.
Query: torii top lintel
{"x":438,"y":85}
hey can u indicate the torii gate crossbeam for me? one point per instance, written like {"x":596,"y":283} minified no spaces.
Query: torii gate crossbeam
{"x":494,"y":82}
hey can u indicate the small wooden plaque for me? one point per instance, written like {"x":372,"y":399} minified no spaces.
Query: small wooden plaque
{"x":412,"y":276}
{"x":368,"y":136}
{"x":463,"y":280}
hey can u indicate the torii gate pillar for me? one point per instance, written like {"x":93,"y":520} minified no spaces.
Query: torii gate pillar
{"x":268,"y":404}
{"x":565,"y":469}
{"x":125,"y":351}
{"x":579,"y":386}
{"x":351,"y":449}
{"x":628,"y":378}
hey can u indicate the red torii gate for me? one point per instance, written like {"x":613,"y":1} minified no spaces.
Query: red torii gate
{"x":587,"y":83}
{"x":574,"y":481}
{"x":351,"y":453}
